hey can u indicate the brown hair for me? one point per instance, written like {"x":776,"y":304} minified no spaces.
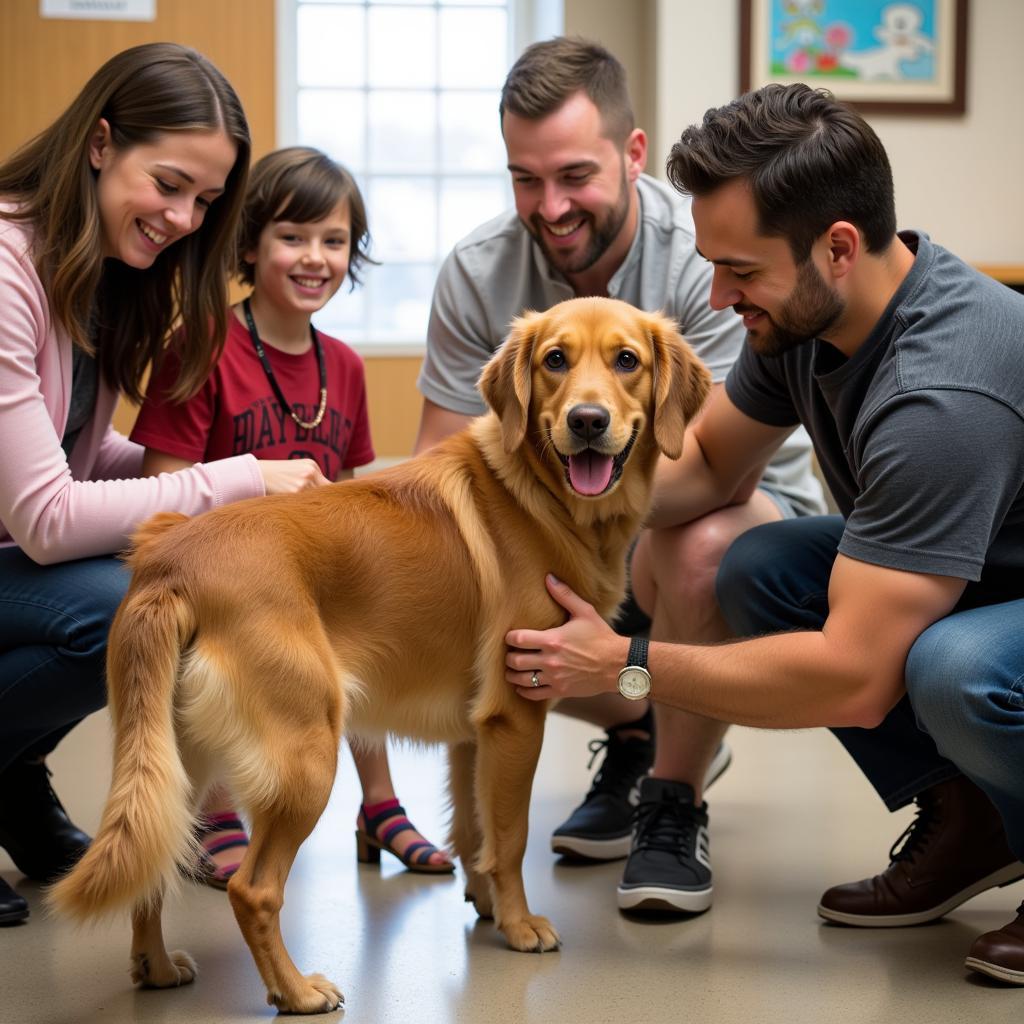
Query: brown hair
{"x":300,"y":184}
{"x":142,"y":93}
{"x":548,"y":73}
{"x":809,"y":159}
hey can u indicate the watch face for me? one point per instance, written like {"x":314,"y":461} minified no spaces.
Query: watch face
{"x":634,"y":682}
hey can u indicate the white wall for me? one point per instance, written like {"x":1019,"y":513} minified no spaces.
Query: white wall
{"x":958,"y":178}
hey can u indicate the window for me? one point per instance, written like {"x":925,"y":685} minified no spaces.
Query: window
{"x":405,"y":94}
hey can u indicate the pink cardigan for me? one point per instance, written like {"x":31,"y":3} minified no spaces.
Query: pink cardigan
{"x":52,"y":508}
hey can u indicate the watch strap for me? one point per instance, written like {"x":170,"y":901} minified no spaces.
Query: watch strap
{"x":637,"y":652}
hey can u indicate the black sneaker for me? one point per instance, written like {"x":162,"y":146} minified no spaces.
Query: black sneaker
{"x":669,"y":865}
{"x":601,"y":827}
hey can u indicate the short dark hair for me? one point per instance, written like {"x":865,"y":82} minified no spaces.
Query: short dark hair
{"x":548,"y":73}
{"x":300,"y":184}
{"x":810,"y":161}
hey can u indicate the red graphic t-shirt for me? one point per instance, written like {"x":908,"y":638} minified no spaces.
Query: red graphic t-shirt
{"x":236,"y":411}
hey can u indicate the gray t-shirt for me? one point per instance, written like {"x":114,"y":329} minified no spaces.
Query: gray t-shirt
{"x":920,"y":434}
{"x":498,"y":271}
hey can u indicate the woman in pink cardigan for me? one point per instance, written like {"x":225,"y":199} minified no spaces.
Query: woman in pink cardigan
{"x":116,"y":224}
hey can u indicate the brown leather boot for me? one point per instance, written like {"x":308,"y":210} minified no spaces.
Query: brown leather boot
{"x":954,"y":849}
{"x":1000,"y":954}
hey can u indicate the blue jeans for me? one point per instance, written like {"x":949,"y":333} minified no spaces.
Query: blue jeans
{"x":54,"y":621}
{"x":964,"y":709}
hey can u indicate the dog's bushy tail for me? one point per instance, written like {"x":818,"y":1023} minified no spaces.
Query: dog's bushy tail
{"x":146,"y":830}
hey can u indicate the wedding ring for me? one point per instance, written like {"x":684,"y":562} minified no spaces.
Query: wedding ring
{"x":535,"y":679}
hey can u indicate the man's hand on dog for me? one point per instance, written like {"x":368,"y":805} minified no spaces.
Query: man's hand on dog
{"x":577,"y":659}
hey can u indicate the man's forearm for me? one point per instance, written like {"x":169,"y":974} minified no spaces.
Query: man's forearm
{"x":785,"y":681}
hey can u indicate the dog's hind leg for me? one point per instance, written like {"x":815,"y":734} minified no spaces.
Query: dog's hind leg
{"x":509,"y":745}
{"x":152,"y":965}
{"x":466,"y":838}
{"x":256,"y":890}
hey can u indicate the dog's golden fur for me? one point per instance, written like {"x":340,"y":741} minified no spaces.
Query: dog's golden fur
{"x":253,"y":635}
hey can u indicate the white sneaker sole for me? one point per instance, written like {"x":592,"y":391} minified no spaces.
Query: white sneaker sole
{"x":1004,"y":876}
{"x":656,"y":898}
{"x":618,"y":848}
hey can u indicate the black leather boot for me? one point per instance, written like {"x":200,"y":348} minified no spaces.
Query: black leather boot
{"x":34,"y":827}
{"x":13,"y":908}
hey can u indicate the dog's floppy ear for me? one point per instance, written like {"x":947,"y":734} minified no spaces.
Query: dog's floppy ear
{"x":506,"y":380}
{"x":681,"y":384}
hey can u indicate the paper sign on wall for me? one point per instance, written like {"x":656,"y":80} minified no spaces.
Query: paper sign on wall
{"x":99,"y":10}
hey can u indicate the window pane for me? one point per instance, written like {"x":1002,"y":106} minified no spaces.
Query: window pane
{"x":466,"y":203}
{"x":403,"y":219}
{"x":400,"y":301}
{"x":334,"y":121}
{"x":473,"y":48}
{"x":471,"y":132}
{"x":403,"y":130}
{"x":402,"y":51}
{"x":330,"y":46}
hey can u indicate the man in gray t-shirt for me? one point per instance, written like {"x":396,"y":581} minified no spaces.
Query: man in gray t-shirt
{"x":589,"y":222}
{"x":898,"y":622}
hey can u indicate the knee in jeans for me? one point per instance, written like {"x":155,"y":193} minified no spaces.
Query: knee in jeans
{"x":745,"y":561}
{"x":945,"y":678}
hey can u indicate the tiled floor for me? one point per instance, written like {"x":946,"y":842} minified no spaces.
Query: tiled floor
{"x":789,"y":818}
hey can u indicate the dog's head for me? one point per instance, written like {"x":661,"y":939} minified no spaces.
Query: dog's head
{"x":588,"y":380}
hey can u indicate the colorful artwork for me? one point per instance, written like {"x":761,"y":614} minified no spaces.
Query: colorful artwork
{"x":884,"y":55}
{"x":870,"y":40}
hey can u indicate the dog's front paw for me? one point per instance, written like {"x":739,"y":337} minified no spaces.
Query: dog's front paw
{"x":166,"y":971}
{"x":531,"y":934}
{"x":318,"y":995}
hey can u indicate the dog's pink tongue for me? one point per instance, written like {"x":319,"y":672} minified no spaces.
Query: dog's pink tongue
{"x":590,"y":472}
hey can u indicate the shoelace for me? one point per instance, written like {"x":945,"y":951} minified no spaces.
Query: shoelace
{"x":914,"y":836}
{"x":668,"y":825}
{"x":625,"y":761}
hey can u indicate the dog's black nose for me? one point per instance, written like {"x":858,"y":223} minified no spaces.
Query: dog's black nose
{"x":588,"y":421}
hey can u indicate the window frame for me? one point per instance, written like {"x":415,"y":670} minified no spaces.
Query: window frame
{"x":529,"y":20}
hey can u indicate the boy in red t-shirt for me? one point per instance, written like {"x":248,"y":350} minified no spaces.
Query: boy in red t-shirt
{"x":283,"y":390}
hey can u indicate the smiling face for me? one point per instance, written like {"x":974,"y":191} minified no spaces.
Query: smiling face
{"x":782,"y":304}
{"x":573,"y":186}
{"x":153,"y":194}
{"x":298,"y":267}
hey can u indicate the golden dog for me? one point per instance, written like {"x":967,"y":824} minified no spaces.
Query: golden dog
{"x":253,"y":635}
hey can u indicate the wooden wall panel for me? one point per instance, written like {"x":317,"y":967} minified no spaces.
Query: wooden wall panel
{"x":46,"y":61}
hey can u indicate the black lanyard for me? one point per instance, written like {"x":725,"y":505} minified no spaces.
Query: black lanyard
{"x":268,"y":370}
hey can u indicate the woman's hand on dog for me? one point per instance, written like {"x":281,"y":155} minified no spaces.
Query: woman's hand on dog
{"x":287,"y":476}
{"x":580,"y":658}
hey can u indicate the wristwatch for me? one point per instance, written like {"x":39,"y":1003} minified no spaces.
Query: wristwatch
{"x":634,"y":679}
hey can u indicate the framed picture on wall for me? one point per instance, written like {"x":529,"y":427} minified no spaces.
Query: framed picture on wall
{"x":883,"y":56}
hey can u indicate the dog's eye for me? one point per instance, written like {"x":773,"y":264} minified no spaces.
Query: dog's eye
{"x":627,"y":360}
{"x":555,"y":360}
